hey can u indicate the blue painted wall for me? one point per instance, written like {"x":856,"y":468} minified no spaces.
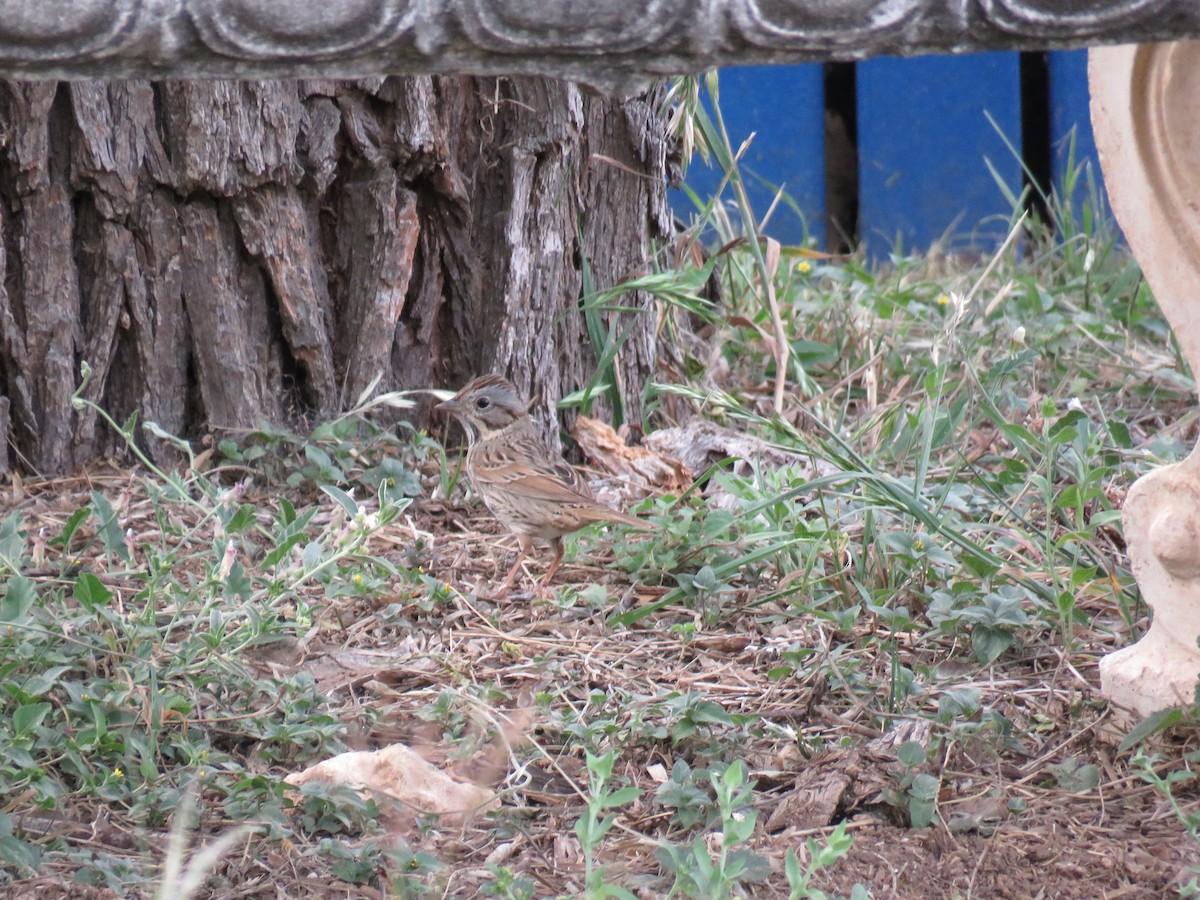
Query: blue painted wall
{"x":923,"y":137}
{"x":1069,"y":114}
{"x":922,"y":140}
{"x":784,"y":106}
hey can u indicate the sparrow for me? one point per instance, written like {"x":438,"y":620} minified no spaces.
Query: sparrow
{"x":534,"y":492}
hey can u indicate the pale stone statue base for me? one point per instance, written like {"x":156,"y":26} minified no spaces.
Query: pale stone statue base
{"x":1144,"y":111}
{"x":1162,"y":530}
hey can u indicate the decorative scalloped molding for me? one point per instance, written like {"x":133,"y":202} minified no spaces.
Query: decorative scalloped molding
{"x":604,"y":42}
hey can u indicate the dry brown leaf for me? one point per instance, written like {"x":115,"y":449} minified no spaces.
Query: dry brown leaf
{"x":401,"y":774}
{"x":641,"y":466}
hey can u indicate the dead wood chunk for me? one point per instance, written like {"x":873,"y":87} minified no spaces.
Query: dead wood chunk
{"x":815,"y":799}
{"x":701,"y":444}
{"x":639,"y":466}
{"x":839,"y":781}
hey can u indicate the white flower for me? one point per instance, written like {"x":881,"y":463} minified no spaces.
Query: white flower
{"x":227,"y":560}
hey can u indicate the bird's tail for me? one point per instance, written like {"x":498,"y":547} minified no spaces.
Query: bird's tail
{"x":600,"y":513}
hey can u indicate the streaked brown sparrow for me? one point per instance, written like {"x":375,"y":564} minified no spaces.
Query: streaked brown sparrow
{"x":532,"y":491}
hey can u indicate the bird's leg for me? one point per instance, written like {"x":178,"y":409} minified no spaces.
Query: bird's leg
{"x":525,"y":547}
{"x":557,"y":545}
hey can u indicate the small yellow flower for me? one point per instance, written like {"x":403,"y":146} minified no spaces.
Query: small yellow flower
{"x":943,"y":300}
{"x":804,"y":267}
{"x":918,"y":544}
{"x":203,"y":773}
{"x":117,"y":773}
{"x":85,"y":696}
{"x":357,"y":579}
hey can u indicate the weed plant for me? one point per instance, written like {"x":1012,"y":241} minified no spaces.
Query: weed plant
{"x":137,"y":668}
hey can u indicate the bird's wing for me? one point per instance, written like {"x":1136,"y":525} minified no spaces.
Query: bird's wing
{"x":535,"y":483}
{"x":526,"y":467}
{"x":523,"y":459}
{"x":547,"y":486}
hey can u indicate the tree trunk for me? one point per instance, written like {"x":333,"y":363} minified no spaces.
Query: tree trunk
{"x":227,"y":253}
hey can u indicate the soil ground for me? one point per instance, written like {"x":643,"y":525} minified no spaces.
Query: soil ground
{"x":1009,"y":823}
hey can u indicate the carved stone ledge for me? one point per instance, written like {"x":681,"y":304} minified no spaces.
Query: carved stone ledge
{"x":1148,"y":137}
{"x":609,"y":43}
{"x":322,"y":31}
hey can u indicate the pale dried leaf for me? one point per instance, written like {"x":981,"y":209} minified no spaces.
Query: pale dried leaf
{"x":401,"y":774}
{"x":643,"y":468}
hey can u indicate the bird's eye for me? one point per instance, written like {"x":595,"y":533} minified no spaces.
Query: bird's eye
{"x":483,"y":403}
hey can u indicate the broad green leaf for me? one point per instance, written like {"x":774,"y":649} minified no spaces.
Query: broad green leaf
{"x":911,"y":754}
{"x":12,"y":543}
{"x":91,"y":592}
{"x":989,"y":643}
{"x":240,"y":520}
{"x":707,"y":712}
{"x":109,"y":527}
{"x":623,"y":796}
{"x":275,"y":556}
{"x":1151,"y":725}
{"x":41,"y":682}
{"x":71,"y":526}
{"x":19,"y":597}
{"x":344,"y":500}
{"x":28,"y":717}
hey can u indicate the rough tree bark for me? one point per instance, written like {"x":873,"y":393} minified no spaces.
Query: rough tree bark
{"x":225,"y":253}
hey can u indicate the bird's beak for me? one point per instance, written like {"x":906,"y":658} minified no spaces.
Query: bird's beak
{"x":447,"y":407}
